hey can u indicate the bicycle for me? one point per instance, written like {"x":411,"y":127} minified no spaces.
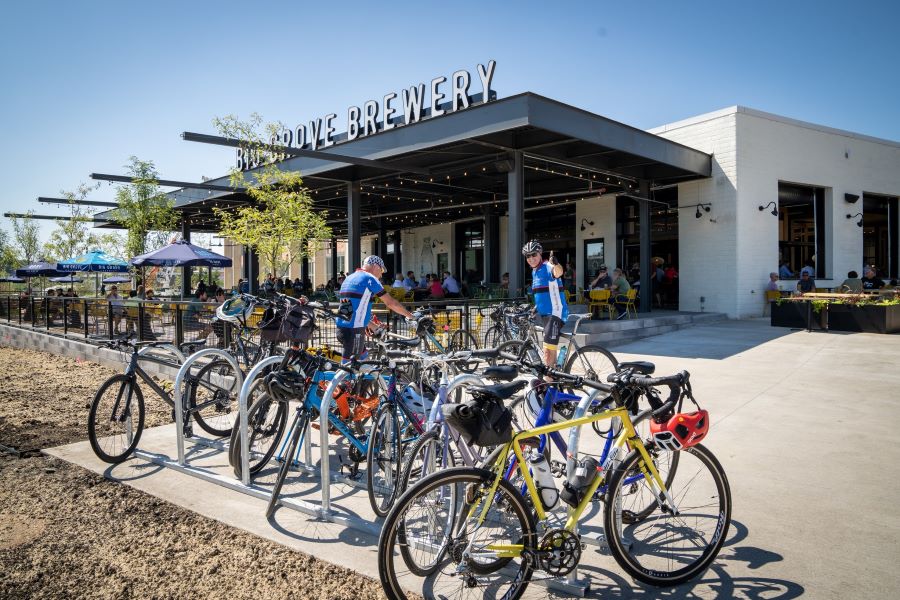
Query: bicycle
{"x":467,"y":527}
{"x":116,"y":417}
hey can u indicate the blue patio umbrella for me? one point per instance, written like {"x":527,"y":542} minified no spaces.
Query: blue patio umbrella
{"x":112,"y":280}
{"x":13,"y":280}
{"x":181,"y":254}
{"x":38,"y":269}
{"x":95,"y":261}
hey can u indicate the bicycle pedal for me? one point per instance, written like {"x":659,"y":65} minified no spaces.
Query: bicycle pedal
{"x":557,"y":468}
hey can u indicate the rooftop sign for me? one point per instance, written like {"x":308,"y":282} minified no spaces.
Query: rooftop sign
{"x":417,"y":103}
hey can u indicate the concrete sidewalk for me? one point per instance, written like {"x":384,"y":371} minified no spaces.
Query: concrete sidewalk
{"x":802,"y":423}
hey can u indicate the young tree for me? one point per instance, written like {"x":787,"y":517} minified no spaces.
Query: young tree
{"x":72,"y":236}
{"x":8,"y":261}
{"x":26,"y":239}
{"x":281,"y":225}
{"x":145,"y":211}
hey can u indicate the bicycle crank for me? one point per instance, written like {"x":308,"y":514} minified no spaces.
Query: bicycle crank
{"x":559,"y":552}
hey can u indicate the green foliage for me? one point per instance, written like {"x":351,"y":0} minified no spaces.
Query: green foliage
{"x":145,"y":211}
{"x":74,"y":236}
{"x":26,"y":239}
{"x":8,"y":260}
{"x":282,"y":224}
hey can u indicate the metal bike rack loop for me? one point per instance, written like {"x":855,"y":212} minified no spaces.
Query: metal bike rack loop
{"x":242,"y":406}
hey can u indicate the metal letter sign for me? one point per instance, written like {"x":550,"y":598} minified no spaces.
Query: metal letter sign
{"x":394,"y":110}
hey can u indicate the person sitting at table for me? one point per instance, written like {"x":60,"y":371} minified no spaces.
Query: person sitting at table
{"x":870,"y":282}
{"x":806,"y":284}
{"x":772,"y":286}
{"x":450,"y":286}
{"x":218,"y":327}
{"x":618,"y":291}
{"x":784,"y":271}
{"x":851,"y":285}
{"x":116,"y":306}
{"x":601,"y":282}
{"x":192,"y":314}
{"x":434,"y":288}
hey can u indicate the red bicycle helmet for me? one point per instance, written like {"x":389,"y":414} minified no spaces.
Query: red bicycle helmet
{"x":683,"y":430}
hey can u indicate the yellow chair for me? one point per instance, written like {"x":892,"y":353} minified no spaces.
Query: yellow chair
{"x":599,"y":299}
{"x":771,"y":296}
{"x":630,"y":308}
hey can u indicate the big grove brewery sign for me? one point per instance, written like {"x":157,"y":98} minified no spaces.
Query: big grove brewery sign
{"x":411,"y":105}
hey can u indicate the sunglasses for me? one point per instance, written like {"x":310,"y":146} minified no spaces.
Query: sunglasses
{"x":532,"y":254}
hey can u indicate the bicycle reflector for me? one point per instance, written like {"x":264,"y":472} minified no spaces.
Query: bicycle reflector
{"x":683,"y":430}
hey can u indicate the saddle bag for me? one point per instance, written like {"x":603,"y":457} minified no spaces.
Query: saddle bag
{"x":480,"y":421}
{"x":298,"y":324}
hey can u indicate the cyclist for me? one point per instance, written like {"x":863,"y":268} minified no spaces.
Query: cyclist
{"x":549,"y":300}
{"x":355,"y":312}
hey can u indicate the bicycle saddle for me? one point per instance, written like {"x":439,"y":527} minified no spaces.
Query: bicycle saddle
{"x":406,"y":343}
{"x":500,"y":391}
{"x":638,"y":366}
{"x":500,"y":373}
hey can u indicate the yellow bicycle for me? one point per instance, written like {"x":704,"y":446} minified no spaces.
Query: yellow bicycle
{"x":472,"y":532}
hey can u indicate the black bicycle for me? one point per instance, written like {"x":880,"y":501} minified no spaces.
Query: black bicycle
{"x":116,"y":418}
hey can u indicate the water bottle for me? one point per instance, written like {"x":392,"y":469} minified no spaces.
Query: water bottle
{"x":543,"y":480}
{"x":561,"y":356}
{"x":578,"y":481}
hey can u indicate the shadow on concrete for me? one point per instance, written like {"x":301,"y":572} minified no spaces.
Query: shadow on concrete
{"x":131,"y":470}
{"x":715,"y":341}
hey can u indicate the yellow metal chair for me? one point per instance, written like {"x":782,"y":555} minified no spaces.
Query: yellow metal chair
{"x":599,"y":299}
{"x":630,"y":308}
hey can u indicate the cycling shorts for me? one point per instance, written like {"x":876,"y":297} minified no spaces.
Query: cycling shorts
{"x":552,"y":327}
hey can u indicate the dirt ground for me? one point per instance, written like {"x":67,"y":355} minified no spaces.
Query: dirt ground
{"x":66,"y":532}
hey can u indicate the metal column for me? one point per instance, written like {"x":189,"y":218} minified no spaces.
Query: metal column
{"x":398,"y":256}
{"x":491,"y":245}
{"x":646,"y":284}
{"x":381,"y":248}
{"x":185,"y":271}
{"x":354,"y":232}
{"x":334,"y":260}
{"x":515,"y":237}
{"x":304,"y":265}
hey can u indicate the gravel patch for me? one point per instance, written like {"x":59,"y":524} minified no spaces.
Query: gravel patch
{"x":67,"y":532}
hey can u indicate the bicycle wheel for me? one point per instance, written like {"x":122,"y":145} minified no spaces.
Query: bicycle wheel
{"x":112,"y":429}
{"x":266,"y":421}
{"x":299,"y":427}
{"x":495,"y":336}
{"x":666,"y":464}
{"x":429,"y":541}
{"x":213,"y":397}
{"x":427,"y":455}
{"x":669,"y":546}
{"x":463,"y":340}
{"x":592,"y":362}
{"x":383,"y":458}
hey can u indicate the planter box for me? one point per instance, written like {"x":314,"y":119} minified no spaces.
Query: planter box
{"x":794,"y":314}
{"x":867,"y":319}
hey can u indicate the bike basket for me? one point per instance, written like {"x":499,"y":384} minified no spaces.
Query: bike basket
{"x":298,"y":324}
{"x":480,"y":422}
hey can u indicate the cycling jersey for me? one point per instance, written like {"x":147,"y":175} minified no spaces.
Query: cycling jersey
{"x":358,"y":289}
{"x":548,"y":295}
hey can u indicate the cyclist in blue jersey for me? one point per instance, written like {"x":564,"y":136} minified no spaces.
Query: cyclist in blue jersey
{"x":357,"y":294}
{"x":549,"y":299}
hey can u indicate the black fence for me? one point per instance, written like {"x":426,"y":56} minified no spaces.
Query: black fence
{"x":183,"y":321}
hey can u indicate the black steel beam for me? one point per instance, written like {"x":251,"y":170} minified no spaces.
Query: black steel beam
{"x":79,"y":202}
{"x":169,"y":183}
{"x":316,"y":154}
{"x":56,"y":218}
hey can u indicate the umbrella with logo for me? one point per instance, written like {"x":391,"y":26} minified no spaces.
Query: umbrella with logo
{"x":116,"y":279}
{"x":181,"y":254}
{"x":66,"y":279}
{"x":95,"y":261}
{"x":37,"y":269}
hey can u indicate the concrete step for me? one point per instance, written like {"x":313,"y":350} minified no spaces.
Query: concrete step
{"x":623,"y":331}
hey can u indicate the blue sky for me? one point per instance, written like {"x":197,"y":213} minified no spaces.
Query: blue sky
{"x":87,"y":84}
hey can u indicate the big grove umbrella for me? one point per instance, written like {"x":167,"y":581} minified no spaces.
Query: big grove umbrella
{"x":181,"y":254}
{"x":66,"y":279}
{"x":95,"y":261}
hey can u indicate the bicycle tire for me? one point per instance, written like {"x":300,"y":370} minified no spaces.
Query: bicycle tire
{"x":300,"y":425}
{"x":667,"y":469}
{"x":410,"y":473}
{"x":97,"y":435}
{"x":399,"y":532}
{"x":494,"y":336}
{"x":638,"y":549}
{"x":592,"y":362}
{"x":383,"y":451}
{"x":218,"y":416}
{"x":266,"y":422}
{"x":464,"y":340}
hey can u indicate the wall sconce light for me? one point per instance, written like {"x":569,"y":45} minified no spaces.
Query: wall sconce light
{"x":851,"y":198}
{"x":435,"y":244}
{"x":705,"y":207}
{"x":858,"y":223}
{"x":583,"y":221}
{"x":774,"y":208}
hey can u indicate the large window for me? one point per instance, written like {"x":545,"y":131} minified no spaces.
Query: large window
{"x":879,"y":223}
{"x":801,"y":227}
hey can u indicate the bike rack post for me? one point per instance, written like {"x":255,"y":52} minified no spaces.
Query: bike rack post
{"x":242,"y":407}
{"x":178,"y":397}
{"x":324,"y":409}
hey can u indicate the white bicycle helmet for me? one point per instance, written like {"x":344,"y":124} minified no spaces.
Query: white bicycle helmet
{"x":233,"y":308}
{"x":532,"y":246}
